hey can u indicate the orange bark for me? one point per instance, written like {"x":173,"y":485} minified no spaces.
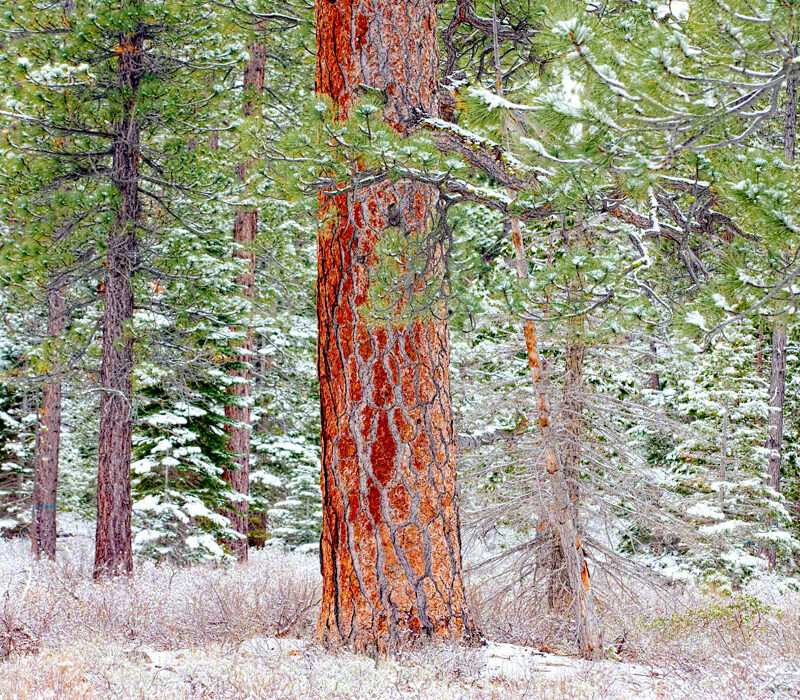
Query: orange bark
{"x":390,"y":550}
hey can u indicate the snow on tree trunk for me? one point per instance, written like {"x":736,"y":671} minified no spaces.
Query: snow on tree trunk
{"x":113,"y":552}
{"x":48,"y":438}
{"x":390,"y":549}
{"x":245,"y":228}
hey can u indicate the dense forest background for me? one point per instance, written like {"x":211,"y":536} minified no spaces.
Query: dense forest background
{"x":617,"y":211}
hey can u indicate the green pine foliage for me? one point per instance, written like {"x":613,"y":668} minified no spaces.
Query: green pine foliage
{"x":659,"y":225}
{"x":179,"y":454}
{"x":60,"y":112}
{"x":17,"y":427}
{"x":717,"y":472}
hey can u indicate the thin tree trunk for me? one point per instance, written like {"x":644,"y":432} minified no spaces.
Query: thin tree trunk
{"x":113,"y":550}
{"x":559,"y":593}
{"x":574,"y":356}
{"x":790,"y":125}
{"x":48,"y":437}
{"x":568,"y":567}
{"x":723,"y":457}
{"x":777,"y":391}
{"x":760,"y":353}
{"x":244,"y":233}
{"x":558,"y":582}
{"x":48,"y":434}
{"x":774,"y":444}
{"x":563,"y":514}
{"x":655,"y":380}
{"x":245,"y":228}
{"x":777,"y":375}
{"x":390,"y":551}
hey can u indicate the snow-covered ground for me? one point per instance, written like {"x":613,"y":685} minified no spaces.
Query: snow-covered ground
{"x":248,"y":632}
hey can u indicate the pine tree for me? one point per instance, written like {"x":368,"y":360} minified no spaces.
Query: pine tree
{"x":720,"y":469}
{"x":245,"y":228}
{"x":17,"y":430}
{"x":48,"y":438}
{"x":285,"y":450}
{"x":177,"y":474}
{"x":126,"y":76}
{"x":182,"y":390}
{"x":391,"y":557}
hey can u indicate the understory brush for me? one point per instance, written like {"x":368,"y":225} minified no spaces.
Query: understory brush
{"x":194,"y":632}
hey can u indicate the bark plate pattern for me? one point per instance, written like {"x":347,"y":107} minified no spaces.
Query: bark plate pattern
{"x":390,"y":551}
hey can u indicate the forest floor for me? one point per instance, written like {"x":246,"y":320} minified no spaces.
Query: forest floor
{"x":248,"y":632}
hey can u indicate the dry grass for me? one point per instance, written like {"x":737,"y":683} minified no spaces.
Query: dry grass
{"x":741,"y":646}
{"x":161,"y":607}
{"x":63,"y":636}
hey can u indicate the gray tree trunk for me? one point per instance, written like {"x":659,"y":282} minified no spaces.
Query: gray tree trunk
{"x":777,"y":391}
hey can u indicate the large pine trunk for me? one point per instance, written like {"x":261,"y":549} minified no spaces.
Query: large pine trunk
{"x":113,"y":550}
{"x":48,"y":438}
{"x":245,"y":228}
{"x":390,"y":550}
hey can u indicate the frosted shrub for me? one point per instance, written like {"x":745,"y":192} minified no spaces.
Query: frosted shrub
{"x":736,"y":619}
{"x":57,"y":604}
{"x":188,"y":632}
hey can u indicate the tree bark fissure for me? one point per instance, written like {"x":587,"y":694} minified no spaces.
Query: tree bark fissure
{"x":390,"y":551}
{"x":113,"y":546}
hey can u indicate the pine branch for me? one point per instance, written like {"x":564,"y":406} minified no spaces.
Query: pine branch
{"x":489,"y":437}
{"x":484,"y":154}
